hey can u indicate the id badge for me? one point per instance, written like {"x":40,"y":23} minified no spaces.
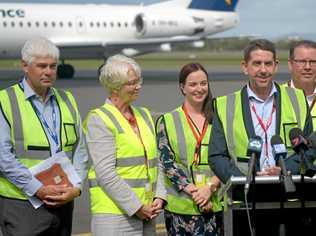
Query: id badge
{"x":200,"y":179}
{"x":149,"y":194}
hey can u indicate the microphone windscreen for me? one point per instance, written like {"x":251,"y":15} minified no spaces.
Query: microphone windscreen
{"x":295,"y":133}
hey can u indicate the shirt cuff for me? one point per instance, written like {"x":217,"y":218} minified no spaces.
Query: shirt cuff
{"x":32,"y":187}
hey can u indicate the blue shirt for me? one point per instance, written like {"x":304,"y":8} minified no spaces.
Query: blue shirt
{"x":263,"y":110}
{"x":17,"y":173}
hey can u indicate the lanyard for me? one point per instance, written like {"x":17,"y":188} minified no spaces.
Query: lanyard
{"x":52,"y":133}
{"x":198,"y":137}
{"x":265,"y":126}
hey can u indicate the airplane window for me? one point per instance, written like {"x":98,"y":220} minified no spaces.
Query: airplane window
{"x":4,"y":24}
{"x":45,"y":24}
{"x":91,"y":24}
{"x":29,"y":24}
{"x":37,"y":24}
{"x":80,"y":24}
{"x":98,"y":24}
{"x":61,"y":24}
{"x":12,"y":24}
{"x":53,"y":24}
{"x":126,"y":25}
{"x":21,"y":24}
{"x":104,"y":24}
{"x":118,"y":24}
{"x":69,"y":24}
{"x":112,"y":24}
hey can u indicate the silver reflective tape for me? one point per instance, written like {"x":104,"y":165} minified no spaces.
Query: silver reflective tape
{"x":133,"y":183}
{"x":295,"y":105}
{"x":130,"y":161}
{"x":230,"y":111}
{"x":17,"y":122}
{"x":147,"y":120}
{"x":181,"y":137}
{"x":153,"y":162}
{"x":113,"y":119}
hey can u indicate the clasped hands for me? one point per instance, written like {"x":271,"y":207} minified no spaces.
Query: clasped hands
{"x":149,"y":212}
{"x":201,"y":196}
{"x":57,"y":195}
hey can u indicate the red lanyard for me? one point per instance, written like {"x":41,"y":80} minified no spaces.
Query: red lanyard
{"x":265,"y":127}
{"x":198,"y":137}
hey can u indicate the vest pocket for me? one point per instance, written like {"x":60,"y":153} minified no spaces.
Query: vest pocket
{"x":70,"y":133}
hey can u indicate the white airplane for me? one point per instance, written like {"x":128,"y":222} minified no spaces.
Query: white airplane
{"x":90,"y":31}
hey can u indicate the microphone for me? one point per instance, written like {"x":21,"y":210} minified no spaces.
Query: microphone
{"x":254,"y":151}
{"x":312,"y":140}
{"x":280,"y":153}
{"x":298,"y":141}
{"x":300,"y":145}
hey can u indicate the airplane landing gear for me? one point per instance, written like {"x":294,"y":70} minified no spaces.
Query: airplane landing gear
{"x":65,"y":71}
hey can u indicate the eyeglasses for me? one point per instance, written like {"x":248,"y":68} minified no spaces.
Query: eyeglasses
{"x":303,"y":63}
{"x":135,"y":82}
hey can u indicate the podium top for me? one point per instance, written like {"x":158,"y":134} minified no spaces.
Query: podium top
{"x":270,"y":179}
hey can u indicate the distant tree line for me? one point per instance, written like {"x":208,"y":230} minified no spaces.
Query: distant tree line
{"x":232,"y":44}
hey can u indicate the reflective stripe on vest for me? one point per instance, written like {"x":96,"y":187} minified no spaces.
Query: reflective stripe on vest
{"x":13,"y":97}
{"x":183,"y":145}
{"x":130,"y":159}
{"x":230,"y":113}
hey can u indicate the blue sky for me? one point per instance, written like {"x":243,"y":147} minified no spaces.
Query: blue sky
{"x":264,"y":18}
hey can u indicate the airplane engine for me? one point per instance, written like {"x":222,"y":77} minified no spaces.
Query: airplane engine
{"x":152,"y":26}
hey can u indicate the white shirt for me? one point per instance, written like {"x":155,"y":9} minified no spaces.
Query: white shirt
{"x":263,"y":110}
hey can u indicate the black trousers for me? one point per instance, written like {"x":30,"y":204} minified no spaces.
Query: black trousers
{"x":19,"y":218}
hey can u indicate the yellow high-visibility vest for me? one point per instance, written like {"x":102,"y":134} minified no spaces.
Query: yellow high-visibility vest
{"x":131,"y":155}
{"x":182,"y":142}
{"x":28,"y":135}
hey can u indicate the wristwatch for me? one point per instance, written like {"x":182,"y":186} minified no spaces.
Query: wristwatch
{"x":212,"y":187}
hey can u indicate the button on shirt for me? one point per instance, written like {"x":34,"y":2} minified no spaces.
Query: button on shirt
{"x":263,"y":110}
{"x":17,"y":173}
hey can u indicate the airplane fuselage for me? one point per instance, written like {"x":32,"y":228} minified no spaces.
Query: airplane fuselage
{"x":92,"y":27}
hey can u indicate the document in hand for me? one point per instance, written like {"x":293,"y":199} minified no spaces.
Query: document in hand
{"x":55,"y":175}
{"x":55,"y":170}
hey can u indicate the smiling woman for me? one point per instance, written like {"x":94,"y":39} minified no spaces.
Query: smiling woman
{"x":122,"y":144}
{"x":183,"y":136}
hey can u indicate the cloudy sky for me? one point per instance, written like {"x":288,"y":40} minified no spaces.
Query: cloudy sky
{"x":265,"y":18}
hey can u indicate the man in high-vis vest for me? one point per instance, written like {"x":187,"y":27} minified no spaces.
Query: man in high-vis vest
{"x":36,"y":122}
{"x":302,"y":65}
{"x":261,"y":108}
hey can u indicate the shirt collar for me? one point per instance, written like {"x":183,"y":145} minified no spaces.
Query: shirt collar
{"x":251,"y":94}
{"x":29,"y":92}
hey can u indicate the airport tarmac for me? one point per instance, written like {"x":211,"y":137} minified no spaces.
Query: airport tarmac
{"x":160,"y":93}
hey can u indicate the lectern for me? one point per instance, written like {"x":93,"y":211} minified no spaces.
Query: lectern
{"x":269,"y":195}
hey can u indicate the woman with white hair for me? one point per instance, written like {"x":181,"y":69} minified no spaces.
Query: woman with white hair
{"x":122,"y":145}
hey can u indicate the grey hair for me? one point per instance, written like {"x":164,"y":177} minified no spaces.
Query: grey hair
{"x":113,"y":74}
{"x":39,"y":47}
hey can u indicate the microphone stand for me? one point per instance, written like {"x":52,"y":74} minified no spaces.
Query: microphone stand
{"x":253,"y":210}
{"x":282,"y":199}
{"x":302,"y":174}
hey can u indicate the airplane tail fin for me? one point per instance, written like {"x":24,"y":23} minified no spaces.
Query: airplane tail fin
{"x":213,"y":5}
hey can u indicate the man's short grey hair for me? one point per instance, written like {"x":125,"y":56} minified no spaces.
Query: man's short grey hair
{"x":39,"y":47}
{"x":113,"y":74}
